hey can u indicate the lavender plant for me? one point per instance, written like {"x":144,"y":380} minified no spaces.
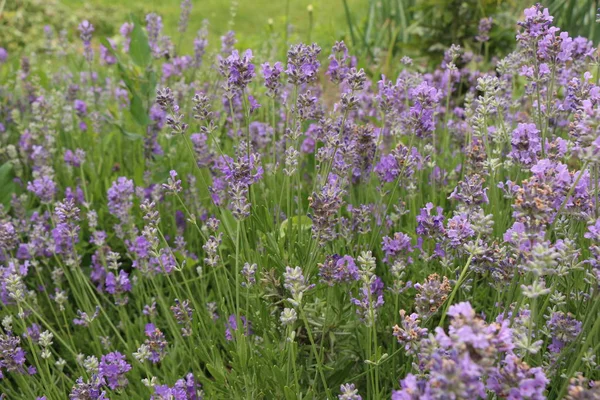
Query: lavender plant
{"x":184,"y":226}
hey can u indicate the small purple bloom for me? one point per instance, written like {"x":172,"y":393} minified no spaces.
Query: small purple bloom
{"x":231,"y":326}
{"x":44,"y":188}
{"x":113,"y":368}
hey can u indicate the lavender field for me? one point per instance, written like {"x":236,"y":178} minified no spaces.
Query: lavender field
{"x":192,"y":219}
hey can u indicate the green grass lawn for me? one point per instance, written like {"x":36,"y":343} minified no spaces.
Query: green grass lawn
{"x":250,"y":22}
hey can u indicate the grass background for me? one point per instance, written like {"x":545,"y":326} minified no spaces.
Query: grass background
{"x":250,"y":19}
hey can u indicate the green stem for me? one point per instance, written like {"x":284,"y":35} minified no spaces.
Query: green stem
{"x":314,"y":350}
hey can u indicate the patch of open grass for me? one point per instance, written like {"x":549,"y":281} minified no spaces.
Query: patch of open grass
{"x":250,"y":19}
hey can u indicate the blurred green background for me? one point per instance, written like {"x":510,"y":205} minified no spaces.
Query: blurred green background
{"x":250,"y":19}
{"x":379,"y":31}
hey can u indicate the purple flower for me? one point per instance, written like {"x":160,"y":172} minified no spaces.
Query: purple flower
{"x":8,"y":236}
{"x":140,"y":247}
{"x":156,"y":344}
{"x":470,"y":191}
{"x":421,"y":116}
{"x":84,"y":319}
{"x":245,"y":170}
{"x":431,"y":294}
{"x":325,"y":205}
{"x":248,"y":272}
{"x":564,"y":329}
{"x":430,"y":225}
{"x":182,"y":312}
{"x":272,"y":78}
{"x":405,"y":162}
{"x":173,"y":184}
{"x":261,"y":134}
{"x":120,"y":198}
{"x":22,"y":251}
{"x":113,"y":368}
{"x":302,"y":63}
{"x":412,"y":389}
{"x":176,"y":67}
{"x":118,"y":285}
{"x":164,"y":392}
{"x":582,"y":388}
{"x":106,"y":55}
{"x":253,"y":104}
{"x":401,"y":242}
{"x":227,"y":42}
{"x":456,"y":364}
{"x":74,"y":159}
{"x":85,"y":29}
{"x":370,"y":299}
{"x":125,"y":31}
{"x":154,"y":27}
{"x":204,"y":156}
{"x":459,"y":230}
{"x":337,"y":269}
{"x":200,"y":44}
{"x":184,"y":17}
{"x":90,"y":390}
{"x":537,"y":22}
{"x":3,"y":55}
{"x":66,"y":231}
{"x":238,"y":70}
{"x":526,"y":144}
{"x":555,"y":46}
{"x":231,"y":326}
{"x":44,"y":188}
{"x":514,"y":379}
{"x":349,"y":392}
{"x":33,"y":332}
{"x":593,"y":232}
{"x":80,"y":107}
{"x":485,"y":25}
{"x":409,"y":333}
{"x":184,"y":389}
{"x":12,"y":356}
{"x":387,"y":168}
{"x":339,"y":63}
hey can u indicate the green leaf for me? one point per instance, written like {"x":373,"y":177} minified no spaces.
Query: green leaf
{"x":148,"y":86}
{"x":138,"y":111}
{"x":217,"y":373}
{"x":6,"y":183}
{"x":302,"y":221}
{"x":242,"y":354}
{"x":129,"y":135}
{"x":289,"y":393}
{"x":125,"y":76}
{"x":139,"y":49}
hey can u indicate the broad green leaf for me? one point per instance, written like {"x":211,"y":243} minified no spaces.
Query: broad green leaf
{"x":138,"y":111}
{"x":6,"y":183}
{"x":148,"y":86}
{"x":139,"y":49}
{"x":302,"y":221}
